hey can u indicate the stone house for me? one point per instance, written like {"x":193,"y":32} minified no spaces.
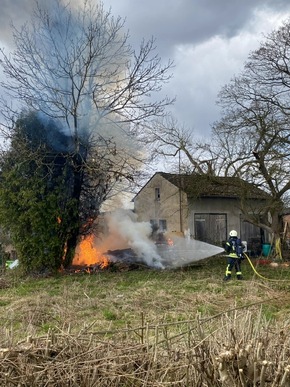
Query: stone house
{"x":203,"y":207}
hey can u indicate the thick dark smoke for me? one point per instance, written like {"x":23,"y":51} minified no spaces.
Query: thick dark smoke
{"x":52,"y":135}
{"x":91,"y":121}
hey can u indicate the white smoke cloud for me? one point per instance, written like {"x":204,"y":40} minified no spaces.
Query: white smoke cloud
{"x":126,"y":231}
{"x":124,"y":238}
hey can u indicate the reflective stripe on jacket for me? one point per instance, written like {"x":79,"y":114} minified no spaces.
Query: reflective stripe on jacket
{"x":231,"y":254}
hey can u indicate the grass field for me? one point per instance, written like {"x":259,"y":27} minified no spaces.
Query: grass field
{"x":182,"y":327}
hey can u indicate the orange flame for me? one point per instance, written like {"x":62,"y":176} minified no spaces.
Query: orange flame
{"x":87,"y":254}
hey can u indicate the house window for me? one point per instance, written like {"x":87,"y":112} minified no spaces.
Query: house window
{"x":162,"y":225}
{"x":154,"y":224}
{"x":211,"y":228}
{"x":157,"y":194}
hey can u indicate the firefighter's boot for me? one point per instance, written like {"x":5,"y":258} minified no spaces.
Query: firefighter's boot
{"x":228,"y":274}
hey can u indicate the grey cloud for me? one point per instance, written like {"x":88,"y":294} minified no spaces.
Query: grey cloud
{"x":17,"y":12}
{"x":171,"y":22}
{"x":192,"y":23}
{"x":175,"y":22}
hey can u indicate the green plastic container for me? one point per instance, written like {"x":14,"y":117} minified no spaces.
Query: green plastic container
{"x":266,"y":249}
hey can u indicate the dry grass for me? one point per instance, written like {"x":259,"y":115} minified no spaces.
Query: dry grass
{"x":236,"y":348}
{"x":146,"y":328}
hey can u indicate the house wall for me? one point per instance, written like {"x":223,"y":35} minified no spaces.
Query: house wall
{"x":171,"y":206}
{"x":227,"y":206}
{"x":230,"y":207}
{"x":172,"y":202}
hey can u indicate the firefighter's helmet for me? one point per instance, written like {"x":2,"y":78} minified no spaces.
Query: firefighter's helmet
{"x":233,"y":233}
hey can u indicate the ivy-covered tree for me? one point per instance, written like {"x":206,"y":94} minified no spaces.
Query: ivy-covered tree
{"x":37,"y":206}
{"x":75,"y":66}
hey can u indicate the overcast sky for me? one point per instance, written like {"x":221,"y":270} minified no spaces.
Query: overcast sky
{"x":208,"y":40}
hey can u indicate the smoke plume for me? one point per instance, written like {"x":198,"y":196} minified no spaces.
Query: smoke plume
{"x":125,"y":232}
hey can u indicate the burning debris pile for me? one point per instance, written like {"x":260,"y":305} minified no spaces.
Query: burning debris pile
{"x":128,"y":245}
{"x":112,"y":260}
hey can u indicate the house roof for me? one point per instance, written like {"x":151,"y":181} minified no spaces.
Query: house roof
{"x":214,"y":186}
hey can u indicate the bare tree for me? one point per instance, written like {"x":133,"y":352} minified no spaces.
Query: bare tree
{"x":170,"y":140}
{"x":77,"y":67}
{"x":253,"y":133}
{"x":252,"y":138}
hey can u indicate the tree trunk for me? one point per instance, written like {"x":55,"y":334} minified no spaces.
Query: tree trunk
{"x":72,"y":239}
{"x":276,"y":236}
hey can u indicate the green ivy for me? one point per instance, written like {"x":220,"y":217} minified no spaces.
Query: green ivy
{"x":36,"y":206}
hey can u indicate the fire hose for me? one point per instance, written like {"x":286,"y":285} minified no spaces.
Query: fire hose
{"x":258,"y":274}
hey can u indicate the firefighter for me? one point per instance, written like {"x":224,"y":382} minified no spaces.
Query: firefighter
{"x":234,"y":249}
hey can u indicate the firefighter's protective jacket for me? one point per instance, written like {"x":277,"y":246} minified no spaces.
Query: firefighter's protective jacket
{"x":234,"y":247}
